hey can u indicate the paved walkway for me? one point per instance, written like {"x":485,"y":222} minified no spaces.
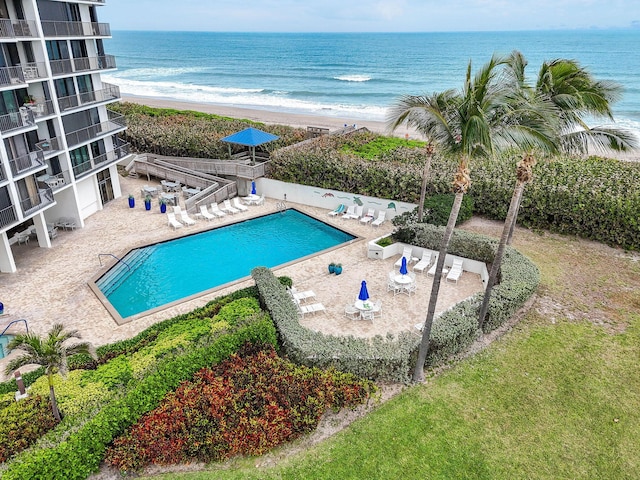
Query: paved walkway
{"x":50,"y":286}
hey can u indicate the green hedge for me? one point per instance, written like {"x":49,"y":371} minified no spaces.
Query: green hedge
{"x":171,"y":132}
{"x":437,"y":209}
{"x":82,"y":452}
{"x":391,"y":358}
{"x":594,"y":198}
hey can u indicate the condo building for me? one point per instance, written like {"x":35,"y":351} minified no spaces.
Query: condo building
{"x":59,"y":139}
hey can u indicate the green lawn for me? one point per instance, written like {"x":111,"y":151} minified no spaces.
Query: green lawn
{"x":557,"y":397}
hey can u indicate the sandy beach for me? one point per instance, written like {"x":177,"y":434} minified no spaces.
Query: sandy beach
{"x":272,"y":118}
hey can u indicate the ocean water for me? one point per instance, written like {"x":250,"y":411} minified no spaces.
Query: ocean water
{"x":350,"y":75}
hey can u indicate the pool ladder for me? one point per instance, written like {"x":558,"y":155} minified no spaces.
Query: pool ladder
{"x":281,"y":206}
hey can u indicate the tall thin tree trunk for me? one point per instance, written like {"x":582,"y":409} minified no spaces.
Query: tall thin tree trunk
{"x":512,"y":215}
{"x":425,"y":177}
{"x":418,"y":373}
{"x":52,"y":396}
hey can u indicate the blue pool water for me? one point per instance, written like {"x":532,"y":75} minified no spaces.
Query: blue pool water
{"x":162,"y":273}
{"x":4,"y":341}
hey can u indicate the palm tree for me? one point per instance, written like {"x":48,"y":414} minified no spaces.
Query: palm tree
{"x":572,"y":93}
{"x":50,"y":352}
{"x":478,"y":121}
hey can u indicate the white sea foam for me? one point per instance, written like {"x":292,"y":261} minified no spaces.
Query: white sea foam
{"x":155,"y":72}
{"x":243,"y":97}
{"x":353,"y":78}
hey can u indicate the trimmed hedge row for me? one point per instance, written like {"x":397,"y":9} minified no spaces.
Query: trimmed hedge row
{"x":594,"y":198}
{"x":378,"y":359}
{"x":391,"y":358}
{"x":131,"y":345}
{"x":81,"y":453}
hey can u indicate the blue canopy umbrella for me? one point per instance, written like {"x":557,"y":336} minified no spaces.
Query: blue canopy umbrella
{"x":403,"y":267}
{"x":364,"y":294}
{"x":253,"y":188}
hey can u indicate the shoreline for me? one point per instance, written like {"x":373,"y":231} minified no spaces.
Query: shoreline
{"x":271,"y":117}
{"x":299,"y":120}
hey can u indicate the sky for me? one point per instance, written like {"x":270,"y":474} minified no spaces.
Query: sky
{"x":368,"y":15}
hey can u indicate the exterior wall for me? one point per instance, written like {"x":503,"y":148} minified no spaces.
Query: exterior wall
{"x":325,"y":198}
{"x":50,"y":169}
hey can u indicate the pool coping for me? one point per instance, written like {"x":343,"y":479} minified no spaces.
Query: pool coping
{"x":119,"y":320}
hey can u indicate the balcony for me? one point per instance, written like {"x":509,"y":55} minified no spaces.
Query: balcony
{"x":110,"y":92}
{"x":108,"y":157}
{"x":18,"y":28}
{"x":75,"y":29}
{"x":22,"y":74}
{"x":116,"y":123}
{"x":8,"y":216}
{"x":54,"y":182}
{"x":48,"y":146}
{"x":26,"y":163}
{"x":16,"y":120}
{"x":82,"y":64}
{"x":31,"y":205}
{"x":3,"y":176}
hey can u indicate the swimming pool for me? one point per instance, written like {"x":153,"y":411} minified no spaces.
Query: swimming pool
{"x":162,"y":273}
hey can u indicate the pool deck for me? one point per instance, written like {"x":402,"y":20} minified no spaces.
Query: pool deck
{"x":51,"y":286}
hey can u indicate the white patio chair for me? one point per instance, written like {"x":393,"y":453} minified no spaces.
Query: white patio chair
{"x":380,"y":220}
{"x":339,"y":210}
{"x":301,"y":296}
{"x":392,"y":286}
{"x":173,"y":222}
{"x":351,"y":312}
{"x":184,"y":216}
{"x":424,"y":263}
{"x":238,"y":205}
{"x":406,"y":253}
{"x":205,"y":213}
{"x":371,"y":213}
{"x":228,"y":208}
{"x":216,"y":211}
{"x":351,"y":210}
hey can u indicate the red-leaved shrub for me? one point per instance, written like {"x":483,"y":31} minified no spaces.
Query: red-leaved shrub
{"x":243,"y":406}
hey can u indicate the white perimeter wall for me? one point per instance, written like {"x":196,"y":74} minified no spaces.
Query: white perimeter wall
{"x":328,"y":199}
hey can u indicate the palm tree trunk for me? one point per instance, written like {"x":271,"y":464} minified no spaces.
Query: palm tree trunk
{"x":507,"y":230}
{"x":418,"y":374}
{"x":52,"y":396}
{"x":425,"y":177}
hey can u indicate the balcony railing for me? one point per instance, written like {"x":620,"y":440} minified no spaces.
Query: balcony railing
{"x":75,"y":29}
{"x":50,"y":145}
{"x":82,"y":64}
{"x":16,"y":120}
{"x":8,"y":216}
{"x":17,"y":28}
{"x":30,"y":161}
{"x":108,"y":157}
{"x":21,"y":74}
{"x":110,"y":92}
{"x":114,"y":124}
{"x":31,"y":205}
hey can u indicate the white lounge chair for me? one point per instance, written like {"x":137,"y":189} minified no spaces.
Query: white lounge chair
{"x":301,"y":296}
{"x":216,"y":211}
{"x":456,"y":271}
{"x":228,"y":208}
{"x":380,"y":220}
{"x":371,"y":213}
{"x":406,"y":253}
{"x":356,"y":215}
{"x":338,"y":211}
{"x":184,"y":216}
{"x":238,"y":205}
{"x":205,"y":213}
{"x":351,"y":210}
{"x":312,"y":308}
{"x":173,"y":222}
{"x":424,"y":263}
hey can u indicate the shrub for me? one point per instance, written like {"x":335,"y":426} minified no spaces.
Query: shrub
{"x":243,"y":307}
{"x":243,"y":406}
{"x":22,"y":423}
{"x":437,"y":209}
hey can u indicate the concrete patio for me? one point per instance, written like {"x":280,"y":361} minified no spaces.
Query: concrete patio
{"x":50,"y":286}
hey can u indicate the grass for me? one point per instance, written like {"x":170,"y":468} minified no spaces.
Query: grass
{"x":557,"y":397}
